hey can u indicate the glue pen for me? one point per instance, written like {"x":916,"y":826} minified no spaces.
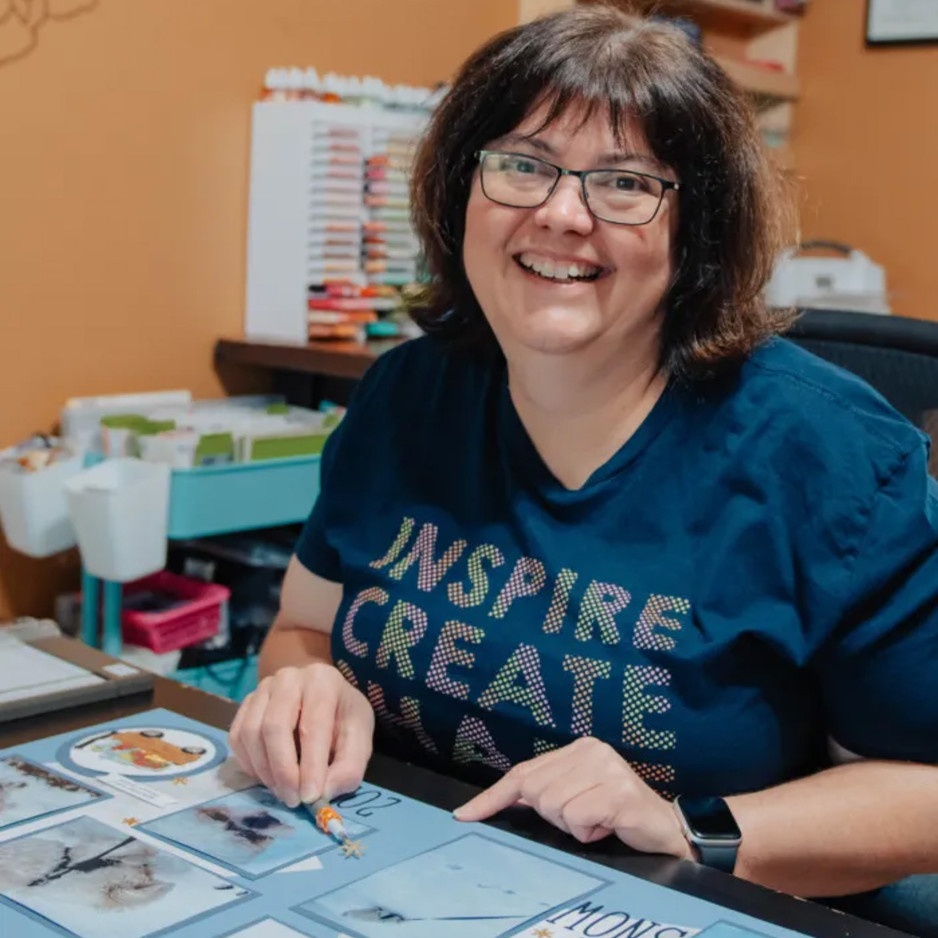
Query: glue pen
{"x":328,"y":820}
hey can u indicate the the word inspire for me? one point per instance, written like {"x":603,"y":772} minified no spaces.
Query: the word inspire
{"x":588,"y":617}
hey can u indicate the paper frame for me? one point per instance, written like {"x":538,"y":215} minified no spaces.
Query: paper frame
{"x":328,"y":845}
{"x":54,"y":927}
{"x":64,"y":752}
{"x":914,"y":36}
{"x":322,"y":918}
{"x":102,"y":796}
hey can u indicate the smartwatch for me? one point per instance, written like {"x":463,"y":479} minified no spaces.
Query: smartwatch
{"x":711,"y":829}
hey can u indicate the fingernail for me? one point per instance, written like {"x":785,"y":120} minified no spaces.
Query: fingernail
{"x":459,"y":813}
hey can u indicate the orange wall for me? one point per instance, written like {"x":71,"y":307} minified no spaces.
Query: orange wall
{"x":123,"y":190}
{"x":866,"y":145}
{"x":125,"y":132}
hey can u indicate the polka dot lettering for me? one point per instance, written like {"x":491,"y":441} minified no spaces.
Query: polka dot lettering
{"x":585,"y":671}
{"x":408,"y":718}
{"x":478,"y":578}
{"x":403,"y":536}
{"x":526,"y":579}
{"x":636,"y":703}
{"x":373,"y":594}
{"x":558,"y":605}
{"x":447,"y":653}
{"x":541,"y":746}
{"x":600,"y":604}
{"x":524,"y":662}
{"x":346,"y":671}
{"x":397,"y":640}
{"x":652,"y":615}
{"x":656,"y":775}
{"x":430,"y":571}
{"x":474,"y":743}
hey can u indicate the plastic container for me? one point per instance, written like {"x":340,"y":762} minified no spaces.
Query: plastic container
{"x":234,"y":679}
{"x":165,"y":612}
{"x":119,"y":509}
{"x":33,"y":508}
{"x":210,"y":500}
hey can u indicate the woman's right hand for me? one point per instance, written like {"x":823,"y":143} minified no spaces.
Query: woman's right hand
{"x":312,"y":709}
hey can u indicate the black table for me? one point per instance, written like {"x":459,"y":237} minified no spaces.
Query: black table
{"x":443,"y":792}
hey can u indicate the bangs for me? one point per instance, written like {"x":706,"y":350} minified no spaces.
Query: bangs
{"x":601,"y":85}
{"x":628,"y":128}
{"x":630,"y":75}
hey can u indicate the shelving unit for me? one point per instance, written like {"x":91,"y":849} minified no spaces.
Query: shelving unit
{"x":747,"y":17}
{"x":742,"y":35}
{"x":767,"y":86}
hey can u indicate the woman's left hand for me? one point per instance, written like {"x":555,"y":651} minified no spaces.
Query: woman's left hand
{"x":588,"y":790}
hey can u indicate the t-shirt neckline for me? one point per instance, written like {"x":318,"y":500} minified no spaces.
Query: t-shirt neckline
{"x":528,"y":459}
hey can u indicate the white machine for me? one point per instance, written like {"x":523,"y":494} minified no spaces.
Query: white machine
{"x":850,"y":281}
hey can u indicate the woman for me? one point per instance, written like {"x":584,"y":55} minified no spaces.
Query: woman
{"x":600,"y":539}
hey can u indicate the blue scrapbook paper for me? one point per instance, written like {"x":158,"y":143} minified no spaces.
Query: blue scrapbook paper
{"x":150,"y":829}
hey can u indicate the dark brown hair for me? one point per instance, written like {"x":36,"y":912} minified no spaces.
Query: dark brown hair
{"x":733,"y":214}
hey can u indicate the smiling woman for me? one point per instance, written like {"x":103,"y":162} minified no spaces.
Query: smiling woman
{"x":602,"y":541}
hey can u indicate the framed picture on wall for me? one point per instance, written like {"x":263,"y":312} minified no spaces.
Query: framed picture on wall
{"x":901,"y":21}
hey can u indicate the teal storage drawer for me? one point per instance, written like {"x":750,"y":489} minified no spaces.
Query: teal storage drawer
{"x":210,"y":500}
{"x":234,"y":679}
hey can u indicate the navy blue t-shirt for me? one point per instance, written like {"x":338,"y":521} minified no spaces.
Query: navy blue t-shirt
{"x":753,"y":573}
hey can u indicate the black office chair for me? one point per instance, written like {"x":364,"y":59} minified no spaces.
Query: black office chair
{"x":897,"y":356}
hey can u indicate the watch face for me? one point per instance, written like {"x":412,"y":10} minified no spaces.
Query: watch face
{"x":709,"y":818}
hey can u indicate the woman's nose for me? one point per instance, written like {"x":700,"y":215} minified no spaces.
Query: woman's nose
{"x":565,"y":209}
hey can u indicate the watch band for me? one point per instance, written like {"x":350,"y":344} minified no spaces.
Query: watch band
{"x":719,"y":856}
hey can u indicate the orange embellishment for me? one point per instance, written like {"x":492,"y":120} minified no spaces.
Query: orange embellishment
{"x":324,"y":816}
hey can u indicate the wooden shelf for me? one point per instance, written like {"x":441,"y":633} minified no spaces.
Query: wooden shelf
{"x":742,"y":17}
{"x":740,"y":25}
{"x":767,"y":85}
{"x":337,"y":359}
{"x":745,"y":18}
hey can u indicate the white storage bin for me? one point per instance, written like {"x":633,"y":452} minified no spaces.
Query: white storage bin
{"x":119,"y":509}
{"x":33,"y":511}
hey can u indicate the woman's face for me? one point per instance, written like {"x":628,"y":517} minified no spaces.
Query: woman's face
{"x":528,"y":310}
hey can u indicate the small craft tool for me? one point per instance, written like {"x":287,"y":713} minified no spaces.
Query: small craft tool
{"x":330,"y":822}
{"x":327,"y":819}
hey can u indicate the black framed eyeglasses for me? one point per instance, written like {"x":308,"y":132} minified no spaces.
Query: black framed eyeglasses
{"x":617,"y":196}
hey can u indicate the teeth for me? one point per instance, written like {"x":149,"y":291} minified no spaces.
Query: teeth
{"x":558,"y":270}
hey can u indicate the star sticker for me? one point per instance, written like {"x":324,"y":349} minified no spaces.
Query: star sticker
{"x":180,"y":781}
{"x":542,"y":933}
{"x":130,"y":821}
{"x":352,"y":848}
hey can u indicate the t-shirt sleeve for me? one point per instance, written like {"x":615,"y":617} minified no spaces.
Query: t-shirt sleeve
{"x":313,"y":548}
{"x":879,"y":667}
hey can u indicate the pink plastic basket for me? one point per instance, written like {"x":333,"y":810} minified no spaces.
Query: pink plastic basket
{"x":165,"y":612}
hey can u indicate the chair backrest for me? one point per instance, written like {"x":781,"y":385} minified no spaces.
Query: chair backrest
{"x":897,"y":356}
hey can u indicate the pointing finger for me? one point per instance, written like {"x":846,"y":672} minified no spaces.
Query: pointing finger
{"x":504,"y":793}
